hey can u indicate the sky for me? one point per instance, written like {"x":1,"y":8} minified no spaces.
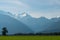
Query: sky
{"x":36,"y":8}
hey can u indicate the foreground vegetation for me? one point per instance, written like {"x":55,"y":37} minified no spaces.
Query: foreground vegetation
{"x":29,"y":37}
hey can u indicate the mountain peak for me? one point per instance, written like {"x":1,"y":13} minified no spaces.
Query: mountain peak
{"x":13,"y":25}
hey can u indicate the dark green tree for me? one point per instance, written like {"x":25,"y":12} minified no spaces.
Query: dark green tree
{"x":4,"y":31}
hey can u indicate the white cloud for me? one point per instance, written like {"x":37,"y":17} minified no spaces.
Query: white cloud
{"x":17,"y":2}
{"x":13,"y":6}
{"x":50,"y":8}
{"x":16,"y":6}
{"x":51,"y":2}
{"x":45,"y":14}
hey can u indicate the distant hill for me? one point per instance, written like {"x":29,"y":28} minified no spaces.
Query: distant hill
{"x":13,"y":25}
{"x":54,"y":27}
{"x":36,"y":24}
{"x":28,"y":24}
{"x":55,"y":19}
{"x":42,"y":24}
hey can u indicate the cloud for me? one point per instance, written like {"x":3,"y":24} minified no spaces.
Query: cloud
{"x":46,"y":8}
{"x":17,"y":2}
{"x":13,"y":6}
{"x":45,"y":14}
{"x":48,"y":2}
{"x":36,"y":8}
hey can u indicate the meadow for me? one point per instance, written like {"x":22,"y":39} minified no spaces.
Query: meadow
{"x":29,"y":37}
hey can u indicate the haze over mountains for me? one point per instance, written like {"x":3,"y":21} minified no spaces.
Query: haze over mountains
{"x":42,"y":24}
{"x":28,"y":24}
{"x":13,"y":25}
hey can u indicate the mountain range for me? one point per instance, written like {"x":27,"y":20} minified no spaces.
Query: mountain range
{"x":42,"y":24}
{"x":28,"y":24}
{"x":13,"y":25}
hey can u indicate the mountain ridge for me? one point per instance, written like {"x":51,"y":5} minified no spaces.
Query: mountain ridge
{"x":41,"y":24}
{"x":13,"y":25}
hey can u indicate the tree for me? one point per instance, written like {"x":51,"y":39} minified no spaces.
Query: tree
{"x":4,"y":31}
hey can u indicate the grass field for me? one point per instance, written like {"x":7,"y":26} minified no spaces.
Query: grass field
{"x":29,"y":37}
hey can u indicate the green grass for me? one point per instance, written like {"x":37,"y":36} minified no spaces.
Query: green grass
{"x":29,"y":37}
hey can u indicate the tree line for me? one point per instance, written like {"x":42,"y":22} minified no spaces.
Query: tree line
{"x":54,"y":33}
